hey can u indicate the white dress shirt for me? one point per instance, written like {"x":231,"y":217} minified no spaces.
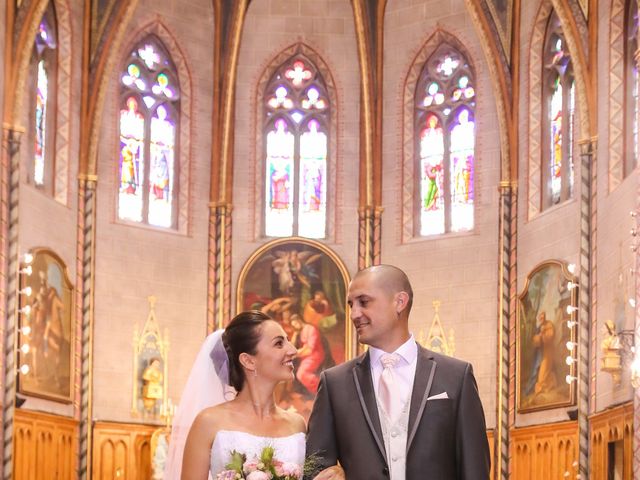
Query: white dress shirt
{"x":404,"y":372}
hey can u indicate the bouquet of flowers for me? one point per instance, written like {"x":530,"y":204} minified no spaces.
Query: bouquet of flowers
{"x":265,"y":467}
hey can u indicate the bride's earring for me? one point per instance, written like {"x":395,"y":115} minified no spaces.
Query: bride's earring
{"x":255,"y":373}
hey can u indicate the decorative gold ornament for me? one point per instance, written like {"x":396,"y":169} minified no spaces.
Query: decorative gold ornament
{"x":436,"y":340}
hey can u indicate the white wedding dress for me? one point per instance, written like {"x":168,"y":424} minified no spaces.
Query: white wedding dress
{"x":287,"y":449}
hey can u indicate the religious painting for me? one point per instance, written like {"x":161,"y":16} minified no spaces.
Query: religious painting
{"x":46,"y":328}
{"x":301,"y":284}
{"x":546,"y":321}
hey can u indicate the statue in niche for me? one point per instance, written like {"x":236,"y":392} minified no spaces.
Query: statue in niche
{"x":150,"y":369}
{"x":611,"y":347}
{"x":152,"y":389}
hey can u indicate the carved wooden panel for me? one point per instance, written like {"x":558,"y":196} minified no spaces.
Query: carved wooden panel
{"x":611,"y":425}
{"x":544,"y":451}
{"x":121,"y":450}
{"x":44,"y":446}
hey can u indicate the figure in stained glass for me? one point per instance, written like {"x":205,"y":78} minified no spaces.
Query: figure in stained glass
{"x":313,"y":152}
{"x":131,"y":154}
{"x":280,"y":182}
{"x":462,"y":143}
{"x":42,"y":91}
{"x":280,"y":144}
{"x":431,"y":152}
{"x":128,"y":181}
{"x":162,"y":132}
{"x":556,"y":142}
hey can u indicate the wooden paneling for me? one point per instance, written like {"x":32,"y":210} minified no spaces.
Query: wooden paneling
{"x":612,"y":425}
{"x":44,"y":446}
{"x":122,"y":451}
{"x":544,"y":451}
{"x":492,"y":447}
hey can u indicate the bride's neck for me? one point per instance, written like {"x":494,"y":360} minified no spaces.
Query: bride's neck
{"x":259,"y":398}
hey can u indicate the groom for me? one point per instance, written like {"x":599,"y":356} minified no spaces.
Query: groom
{"x":398,"y":411}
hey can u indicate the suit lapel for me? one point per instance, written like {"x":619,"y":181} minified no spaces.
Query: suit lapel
{"x":367,"y":396}
{"x":425,"y":370}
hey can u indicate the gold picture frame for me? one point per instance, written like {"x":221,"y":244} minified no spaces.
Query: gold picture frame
{"x":302,"y":284}
{"x":543,"y":330}
{"x":46,"y":328}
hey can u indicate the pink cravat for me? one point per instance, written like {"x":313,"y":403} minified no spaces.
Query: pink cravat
{"x":387,"y":391}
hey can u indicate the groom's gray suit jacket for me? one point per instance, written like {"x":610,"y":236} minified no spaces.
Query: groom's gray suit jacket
{"x":446,"y":438}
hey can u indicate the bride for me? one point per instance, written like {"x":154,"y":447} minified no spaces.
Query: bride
{"x":253,"y":355}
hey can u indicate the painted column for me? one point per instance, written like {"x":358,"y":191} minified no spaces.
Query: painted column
{"x":504,"y":405}
{"x":10,"y":264}
{"x":219,"y":288}
{"x":587,"y":210}
{"x":369,"y":236}
{"x":86,"y":263}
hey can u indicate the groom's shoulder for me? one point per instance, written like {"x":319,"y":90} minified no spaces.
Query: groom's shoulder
{"x":453,"y":366}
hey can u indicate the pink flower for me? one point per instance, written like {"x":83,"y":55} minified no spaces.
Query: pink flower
{"x":250,"y":465}
{"x":258,"y":475}
{"x":226,"y":475}
{"x":292,"y":470}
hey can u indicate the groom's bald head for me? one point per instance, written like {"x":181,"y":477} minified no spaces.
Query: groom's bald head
{"x":389,"y":278}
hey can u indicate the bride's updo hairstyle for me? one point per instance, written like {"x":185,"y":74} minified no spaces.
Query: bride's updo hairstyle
{"x":242,"y":336}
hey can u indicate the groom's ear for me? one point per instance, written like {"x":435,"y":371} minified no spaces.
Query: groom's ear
{"x":402,"y":300}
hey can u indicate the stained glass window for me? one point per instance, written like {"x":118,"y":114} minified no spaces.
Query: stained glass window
{"x":559,"y":117}
{"x":44,"y":57}
{"x":148,"y":133}
{"x":296,"y":117}
{"x":445,"y":122}
{"x":631,"y":88}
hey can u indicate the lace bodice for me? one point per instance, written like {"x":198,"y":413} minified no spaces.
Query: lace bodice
{"x":287,"y":449}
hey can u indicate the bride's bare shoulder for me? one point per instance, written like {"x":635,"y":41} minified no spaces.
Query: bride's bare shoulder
{"x":211,"y":418}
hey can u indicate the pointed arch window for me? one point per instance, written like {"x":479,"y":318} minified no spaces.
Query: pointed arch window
{"x":632,"y":86}
{"x":445,"y":143}
{"x":44,"y":62}
{"x":296,"y":132}
{"x":148,"y":130}
{"x":558,"y":117}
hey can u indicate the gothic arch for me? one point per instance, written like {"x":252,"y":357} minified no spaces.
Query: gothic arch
{"x":500,"y":78}
{"x":534,"y":157}
{"x":24,"y":49}
{"x":183,"y":157}
{"x":257,"y":138}
{"x":436,"y":39}
{"x":95,"y":102}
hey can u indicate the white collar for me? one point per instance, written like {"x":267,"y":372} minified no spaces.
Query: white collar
{"x":408,"y":351}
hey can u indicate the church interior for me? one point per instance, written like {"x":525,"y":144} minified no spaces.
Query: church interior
{"x":168,"y":164}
